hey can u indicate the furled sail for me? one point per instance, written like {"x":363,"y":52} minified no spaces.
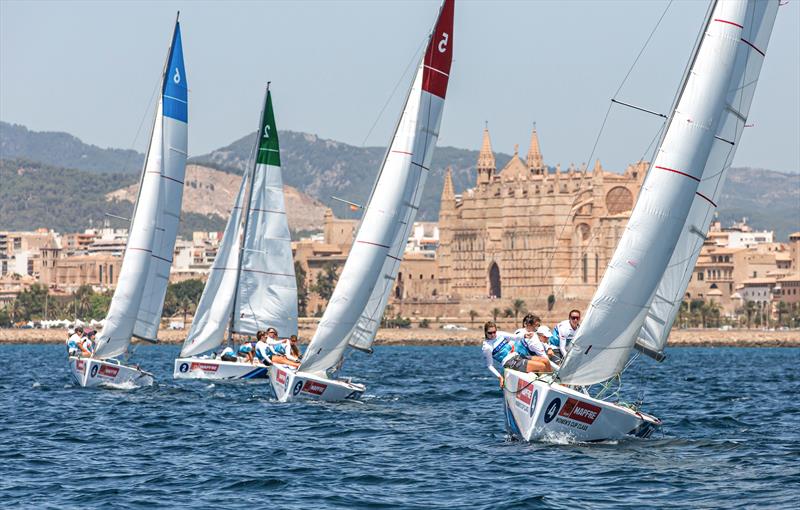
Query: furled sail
{"x":173,"y":169}
{"x":215,"y":306}
{"x":267,"y":290}
{"x":357,"y":304}
{"x":757,"y":28}
{"x":620,"y":304}
{"x":169,"y":131}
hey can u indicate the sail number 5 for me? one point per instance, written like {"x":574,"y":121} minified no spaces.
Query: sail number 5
{"x":443,"y":43}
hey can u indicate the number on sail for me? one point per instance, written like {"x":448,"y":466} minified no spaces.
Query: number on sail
{"x":443,"y":43}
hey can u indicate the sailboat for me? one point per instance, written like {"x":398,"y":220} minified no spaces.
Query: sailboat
{"x":638,"y":298}
{"x":356,"y":307}
{"x":252,"y":283}
{"x":135,"y":309}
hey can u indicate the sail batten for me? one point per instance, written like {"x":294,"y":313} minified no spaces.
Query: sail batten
{"x":663,"y":214}
{"x":354,"y":311}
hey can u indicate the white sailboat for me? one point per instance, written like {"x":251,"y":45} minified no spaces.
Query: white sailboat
{"x":135,"y":309}
{"x":252,"y":283}
{"x":356,"y":307}
{"x":638,"y":298}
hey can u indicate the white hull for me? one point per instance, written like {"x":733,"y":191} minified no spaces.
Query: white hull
{"x":288,"y":384}
{"x":218,"y":370}
{"x":89,"y":372}
{"x":538,"y":410}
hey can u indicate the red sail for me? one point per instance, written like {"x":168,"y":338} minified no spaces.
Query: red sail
{"x":439,"y":54}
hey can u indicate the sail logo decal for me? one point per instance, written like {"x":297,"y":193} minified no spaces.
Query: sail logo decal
{"x":580,"y":411}
{"x":314,"y":388}
{"x":280,"y":377}
{"x":552,"y":409}
{"x":205,"y":367}
{"x":107,"y":371}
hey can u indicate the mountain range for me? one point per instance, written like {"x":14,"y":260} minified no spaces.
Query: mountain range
{"x":100,"y":181}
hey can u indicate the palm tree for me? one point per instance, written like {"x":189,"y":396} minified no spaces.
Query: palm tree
{"x":495,"y":313}
{"x":782,"y":309}
{"x":519,"y":307}
{"x":472,"y":315}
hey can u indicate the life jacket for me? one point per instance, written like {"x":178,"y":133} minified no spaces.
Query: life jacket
{"x":502,"y":348}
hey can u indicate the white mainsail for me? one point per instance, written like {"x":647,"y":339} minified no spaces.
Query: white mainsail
{"x":355,"y":309}
{"x":167,"y":141}
{"x":215,"y":306}
{"x":622,"y":300}
{"x":760,"y":17}
{"x":267,"y":291}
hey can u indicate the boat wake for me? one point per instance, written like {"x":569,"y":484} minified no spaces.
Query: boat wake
{"x":127,"y":385}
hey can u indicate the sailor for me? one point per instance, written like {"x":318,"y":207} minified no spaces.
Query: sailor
{"x":74,"y":341}
{"x":294,"y":348}
{"x":87,"y":344}
{"x":532,"y":344}
{"x":228,"y":354}
{"x":281,"y":350}
{"x":501,"y":347}
{"x":246,"y":352}
{"x":261,"y":349}
{"x":564,"y":334}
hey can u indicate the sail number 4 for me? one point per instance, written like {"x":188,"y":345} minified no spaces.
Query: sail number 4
{"x":443,"y":43}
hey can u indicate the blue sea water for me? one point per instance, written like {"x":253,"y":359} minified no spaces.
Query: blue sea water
{"x":428,"y":434}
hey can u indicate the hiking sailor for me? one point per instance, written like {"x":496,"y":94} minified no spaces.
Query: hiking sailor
{"x":502,"y":347}
{"x":281,"y":350}
{"x":228,"y":354}
{"x":262,"y":352}
{"x":564,"y":333}
{"x":87,"y":344}
{"x":534,"y":345}
{"x":74,"y":341}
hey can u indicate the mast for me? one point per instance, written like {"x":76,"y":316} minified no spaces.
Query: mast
{"x":246,"y":221}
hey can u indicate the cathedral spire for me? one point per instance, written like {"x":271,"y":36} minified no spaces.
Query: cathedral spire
{"x":448,"y":194}
{"x":486,"y":162}
{"x":535,"y":160}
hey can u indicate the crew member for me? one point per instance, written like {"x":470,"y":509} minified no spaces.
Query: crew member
{"x":564,"y":334}
{"x":74,"y":341}
{"x":532,"y":343}
{"x":501,"y":347}
{"x":87,"y":344}
{"x":228,"y":354}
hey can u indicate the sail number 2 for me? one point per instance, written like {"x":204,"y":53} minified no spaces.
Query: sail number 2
{"x":266,"y":130}
{"x":443,"y":43}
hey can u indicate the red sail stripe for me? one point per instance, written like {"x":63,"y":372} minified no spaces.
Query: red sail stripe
{"x":439,"y":55}
{"x":404,"y":152}
{"x":678,"y":172}
{"x":728,"y":22}
{"x":753,"y":46}
{"x":706,"y":198}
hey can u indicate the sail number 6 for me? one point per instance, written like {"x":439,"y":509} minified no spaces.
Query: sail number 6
{"x":177,"y":76}
{"x":443,"y":43}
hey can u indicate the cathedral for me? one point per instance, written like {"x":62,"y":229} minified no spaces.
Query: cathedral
{"x":526,"y":232}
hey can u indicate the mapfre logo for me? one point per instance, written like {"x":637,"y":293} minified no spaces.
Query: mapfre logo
{"x":205,"y":367}
{"x":280,"y":377}
{"x":580,"y":411}
{"x":107,"y":371}
{"x":80,"y":365}
{"x":524,"y":391}
{"x":314,"y":388}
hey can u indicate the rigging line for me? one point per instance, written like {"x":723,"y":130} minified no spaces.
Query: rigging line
{"x":141,"y":122}
{"x":391,"y":95}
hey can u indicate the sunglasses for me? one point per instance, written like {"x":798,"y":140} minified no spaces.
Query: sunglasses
{"x":491,"y":332}
{"x":573,"y":318}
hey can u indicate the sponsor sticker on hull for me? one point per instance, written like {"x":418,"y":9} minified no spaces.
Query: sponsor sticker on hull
{"x":205,"y":367}
{"x":280,"y":377}
{"x":577,"y":410}
{"x":314,"y":388}
{"x":107,"y":371}
{"x":80,"y":365}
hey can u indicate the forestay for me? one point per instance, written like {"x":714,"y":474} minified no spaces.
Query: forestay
{"x":267,"y":290}
{"x":215,"y":306}
{"x":169,"y":132}
{"x":760,"y":17}
{"x":358,"y":302}
{"x":620,"y":304}
{"x":172,"y":171}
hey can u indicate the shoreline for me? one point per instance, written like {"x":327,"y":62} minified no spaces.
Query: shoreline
{"x":472,"y":337}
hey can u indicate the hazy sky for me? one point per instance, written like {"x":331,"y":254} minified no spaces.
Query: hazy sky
{"x":90,"y":68}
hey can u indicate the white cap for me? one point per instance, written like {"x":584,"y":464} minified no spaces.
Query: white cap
{"x":543,"y":330}
{"x":71,"y":331}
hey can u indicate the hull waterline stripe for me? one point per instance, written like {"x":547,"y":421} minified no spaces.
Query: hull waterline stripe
{"x":706,"y":198}
{"x":753,"y":46}
{"x":374,"y":244}
{"x":678,"y":172}
{"x":728,"y":22}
